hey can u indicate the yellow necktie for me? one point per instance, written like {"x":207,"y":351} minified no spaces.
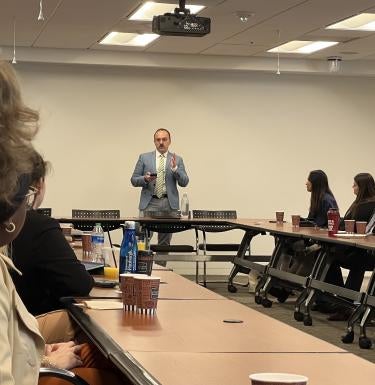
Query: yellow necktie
{"x":159,"y":187}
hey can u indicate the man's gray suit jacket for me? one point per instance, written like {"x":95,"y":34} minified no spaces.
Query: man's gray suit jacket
{"x":147,"y":163}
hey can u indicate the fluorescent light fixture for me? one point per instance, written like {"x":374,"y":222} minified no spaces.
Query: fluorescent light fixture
{"x":302,"y":47}
{"x":149,"y":9}
{"x":361,"y":22}
{"x":129,"y":39}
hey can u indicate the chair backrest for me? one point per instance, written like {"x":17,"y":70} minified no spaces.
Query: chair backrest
{"x":99,"y":214}
{"x":96,"y":215}
{"x":44,"y":211}
{"x":162,"y":214}
{"x":166,"y":227}
{"x":370,"y":228}
{"x":215,"y":214}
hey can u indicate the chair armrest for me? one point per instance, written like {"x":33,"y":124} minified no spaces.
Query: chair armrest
{"x":66,"y":375}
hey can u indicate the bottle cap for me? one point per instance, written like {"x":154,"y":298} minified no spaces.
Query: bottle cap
{"x":130,"y":225}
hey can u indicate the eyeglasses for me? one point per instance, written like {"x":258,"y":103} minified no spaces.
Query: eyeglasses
{"x":30,"y":196}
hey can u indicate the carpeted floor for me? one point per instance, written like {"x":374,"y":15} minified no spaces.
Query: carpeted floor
{"x":322,"y":328}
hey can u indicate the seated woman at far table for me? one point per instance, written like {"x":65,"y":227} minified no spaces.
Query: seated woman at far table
{"x":298,"y":257}
{"x":322,"y":199}
{"x":358,"y":261}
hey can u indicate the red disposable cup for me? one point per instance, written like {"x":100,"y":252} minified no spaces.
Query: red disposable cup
{"x":296,"y":220}
{"x":361,"y":227}
{"x":279,"y":216}
{"x":86,"y":245}
{"x":349,"y":225}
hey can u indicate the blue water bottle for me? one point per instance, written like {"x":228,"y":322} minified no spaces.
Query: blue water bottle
{"x":128,"y":251}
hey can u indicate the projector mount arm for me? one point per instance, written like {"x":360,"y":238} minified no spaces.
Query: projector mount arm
{"x":181,"y":8}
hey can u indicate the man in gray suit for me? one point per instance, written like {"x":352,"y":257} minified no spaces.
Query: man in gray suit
{"x":158,"y":173}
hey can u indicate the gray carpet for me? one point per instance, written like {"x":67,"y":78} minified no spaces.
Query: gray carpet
{"x":322,"y":328}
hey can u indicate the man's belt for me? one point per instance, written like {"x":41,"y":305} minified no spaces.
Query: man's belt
{"x":163,"y":196}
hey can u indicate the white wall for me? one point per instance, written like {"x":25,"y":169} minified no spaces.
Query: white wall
{"x":248,"y":139}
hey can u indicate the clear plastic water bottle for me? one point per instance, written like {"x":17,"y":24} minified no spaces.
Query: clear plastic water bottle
{"x":185,"y":206}
{"x":97,"y":243}
{"x":128,"y":251}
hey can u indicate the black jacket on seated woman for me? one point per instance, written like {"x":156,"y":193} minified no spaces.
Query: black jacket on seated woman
{"x":50,"y":269}
{"x":356,"y":260}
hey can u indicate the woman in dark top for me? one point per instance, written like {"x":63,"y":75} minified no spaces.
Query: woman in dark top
{"x":363,"y":206}
{"x":50,"y":269}
{"x":354,"y":259}
{"x":299,"y":257}
{"x":322,"y":198}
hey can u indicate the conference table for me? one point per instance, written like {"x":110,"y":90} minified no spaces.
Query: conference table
{"x":198,"y":337}
{"x":234,"y":368}
{"x":254,"y":331}
{"x":172,"y":287}
{"x":315,"y":281}
{"x":183,"y":224}
{"x":252,"y":228}
{"x":188,"y":342}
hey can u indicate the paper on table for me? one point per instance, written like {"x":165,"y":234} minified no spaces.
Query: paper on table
{"x":350,"y":235}
{"x":102,"y":305}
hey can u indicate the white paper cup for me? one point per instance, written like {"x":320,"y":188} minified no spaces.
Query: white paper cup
{"x":277,"y":379}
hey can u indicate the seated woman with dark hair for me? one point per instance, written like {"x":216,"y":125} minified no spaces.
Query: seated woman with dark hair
{"x":50,"y":269}
{"x":299,"y":257}
{"x":356,"y":260}
{"x":322,"y":200}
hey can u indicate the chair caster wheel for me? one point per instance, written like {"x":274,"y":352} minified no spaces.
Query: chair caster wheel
{"x":266,"y":302}
{"x":348,"y":338}
{"x":258,"y":299}
{"x":365,"y":343}
{"x":232,"y":289}
{"x":307,"y":320}
{"x":298,"y":316}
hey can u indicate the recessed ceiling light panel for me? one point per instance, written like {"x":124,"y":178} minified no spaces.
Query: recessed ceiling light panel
{"x":129,"y":39}
{"x":149,"y":9}
{"x":361,"y":22}
{"x":302,"y":47}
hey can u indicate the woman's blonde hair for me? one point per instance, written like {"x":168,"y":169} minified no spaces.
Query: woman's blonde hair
{"x":18,"y":126}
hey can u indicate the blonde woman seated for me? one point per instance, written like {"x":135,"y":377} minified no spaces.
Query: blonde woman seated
{"x":23,"y":349}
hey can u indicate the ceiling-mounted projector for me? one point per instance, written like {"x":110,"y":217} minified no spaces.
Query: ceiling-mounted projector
{"x":181,"y":23}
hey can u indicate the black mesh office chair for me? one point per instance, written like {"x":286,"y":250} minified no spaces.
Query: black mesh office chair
{"x":187,"y":251}
{"x":44,"y":211}
{"x":215,"y":228}
{"x":96,"y":216}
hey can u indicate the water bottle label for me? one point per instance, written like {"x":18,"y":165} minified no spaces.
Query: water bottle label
{"x":97,"y":239}
{"x":128,"y":253}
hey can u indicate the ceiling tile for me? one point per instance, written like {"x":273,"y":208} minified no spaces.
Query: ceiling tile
{"x":233,"y":50}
